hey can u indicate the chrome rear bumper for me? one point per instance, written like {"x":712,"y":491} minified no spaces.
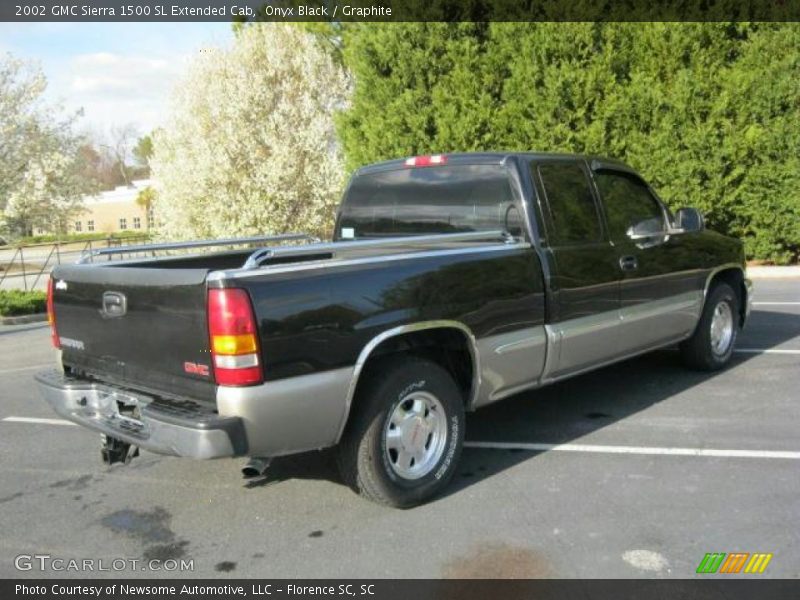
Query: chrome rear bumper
{"x":158,"y":428}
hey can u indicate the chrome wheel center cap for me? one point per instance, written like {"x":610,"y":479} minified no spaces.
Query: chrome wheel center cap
{"x":415,"y":435}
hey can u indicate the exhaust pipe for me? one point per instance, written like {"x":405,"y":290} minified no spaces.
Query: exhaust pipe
{"x":256,"y":467}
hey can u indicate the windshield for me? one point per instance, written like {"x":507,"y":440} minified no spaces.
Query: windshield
{"x":446,"y":199}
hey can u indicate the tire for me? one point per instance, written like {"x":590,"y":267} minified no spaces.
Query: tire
{"x":404,"y":439}
{"x":711,"y":346}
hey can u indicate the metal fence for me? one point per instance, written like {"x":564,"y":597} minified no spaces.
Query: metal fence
{"x":26,"y":266}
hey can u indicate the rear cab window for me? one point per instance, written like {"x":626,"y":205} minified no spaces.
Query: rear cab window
{"x":427,"y":200}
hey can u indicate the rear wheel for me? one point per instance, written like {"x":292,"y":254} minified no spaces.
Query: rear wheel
{"x":711,"y":346}
{"x":405,"y":435}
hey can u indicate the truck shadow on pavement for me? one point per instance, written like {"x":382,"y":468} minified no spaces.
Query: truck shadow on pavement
{"x":567,"y":411}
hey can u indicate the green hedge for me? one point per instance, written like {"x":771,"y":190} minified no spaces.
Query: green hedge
{"x":17,"y":302}
{"x":707,"y":112}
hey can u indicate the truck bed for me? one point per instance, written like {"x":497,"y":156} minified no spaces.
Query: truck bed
{"x":159,"y":343}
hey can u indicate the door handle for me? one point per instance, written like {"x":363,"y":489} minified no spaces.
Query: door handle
{"x":628,"y":263}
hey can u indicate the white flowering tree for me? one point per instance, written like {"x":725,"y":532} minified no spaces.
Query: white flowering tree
{"x":250,"y":147}
{"x":39,"y":182}
{"x":48,"y":195}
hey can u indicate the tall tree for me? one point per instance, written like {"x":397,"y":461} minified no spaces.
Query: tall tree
{"x":143,"y":152}
{"x":49,"y":195}
{"x":119,"y":148}
{"x":250,"y":147}
{"x":39,"y":154}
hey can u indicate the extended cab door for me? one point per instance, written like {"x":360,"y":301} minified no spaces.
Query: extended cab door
{"x":584,"y":270}
{"x":661,"y":286}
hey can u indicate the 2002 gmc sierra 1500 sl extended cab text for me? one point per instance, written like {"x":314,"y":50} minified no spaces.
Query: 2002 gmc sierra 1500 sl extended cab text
{"x":452,"y":281}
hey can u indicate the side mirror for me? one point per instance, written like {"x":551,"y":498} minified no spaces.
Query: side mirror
{"x":689,"y":220}
{"x":647,"y":229}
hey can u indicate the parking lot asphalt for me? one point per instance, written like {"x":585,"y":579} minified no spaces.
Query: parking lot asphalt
{"x":598,"y":476}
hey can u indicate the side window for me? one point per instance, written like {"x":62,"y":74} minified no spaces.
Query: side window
{"x":628,"y":202}
{"x":572,"y":207}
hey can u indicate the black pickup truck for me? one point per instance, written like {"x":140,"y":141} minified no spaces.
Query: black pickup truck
{"x":452,"y":281}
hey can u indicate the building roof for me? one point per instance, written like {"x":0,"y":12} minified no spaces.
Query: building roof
{"x":120,"y":194}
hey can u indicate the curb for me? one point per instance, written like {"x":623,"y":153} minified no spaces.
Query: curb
{"x":21,"y":319}
{"x":773,"y":272}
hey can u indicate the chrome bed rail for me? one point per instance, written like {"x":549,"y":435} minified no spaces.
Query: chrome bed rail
{"x":410,"y":242}
{"x":314,"y":247}
{"x":288,"y":237}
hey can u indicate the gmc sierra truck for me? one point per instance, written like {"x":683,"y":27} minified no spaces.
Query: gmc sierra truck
{"x":451,"y":282}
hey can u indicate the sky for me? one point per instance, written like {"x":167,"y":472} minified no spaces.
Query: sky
{"x":119,"y":73}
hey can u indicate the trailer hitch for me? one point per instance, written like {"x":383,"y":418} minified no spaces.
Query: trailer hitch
{"x":113,"y":451}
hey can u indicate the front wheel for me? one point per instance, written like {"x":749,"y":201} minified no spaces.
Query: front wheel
{"x":711,"y":346}
{"x":406,"y":432}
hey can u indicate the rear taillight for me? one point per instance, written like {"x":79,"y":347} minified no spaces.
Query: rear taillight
{"x":432,"y":160}
{"x":51,"y":315}
{"x":234,"y":338}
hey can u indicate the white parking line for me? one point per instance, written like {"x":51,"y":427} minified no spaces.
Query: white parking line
{"x":765,"y":351}
{"x":776,"y":303}
{"x":30,"y":368}
{"x":646,"y":450}
{"x":537,"y":447}
{"x":39,"y":421}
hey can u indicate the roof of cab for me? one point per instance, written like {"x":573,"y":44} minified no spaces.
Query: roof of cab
{"x":493,"y":158}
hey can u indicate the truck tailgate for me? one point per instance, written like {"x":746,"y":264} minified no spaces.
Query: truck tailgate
{"x":141,"y":327}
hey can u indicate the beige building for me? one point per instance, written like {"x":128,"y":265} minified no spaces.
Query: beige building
{"x":114,"y":211}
